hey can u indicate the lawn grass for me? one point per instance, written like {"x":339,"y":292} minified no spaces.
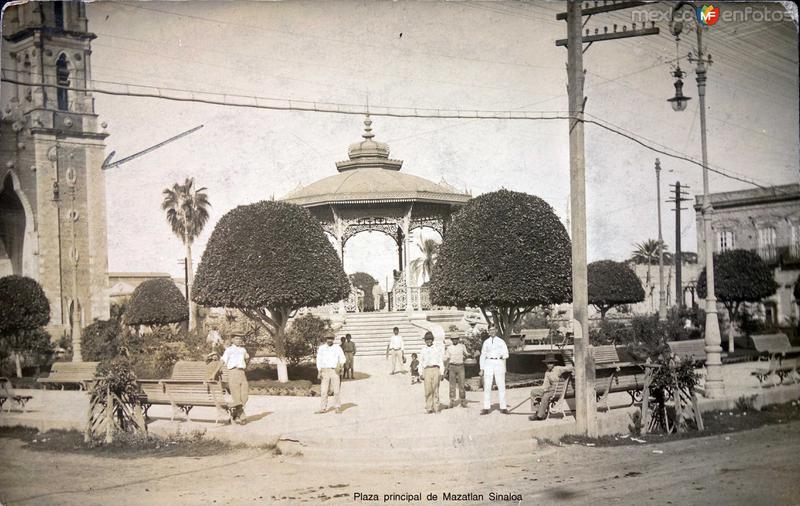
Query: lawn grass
{"x":743,"y":417}
{"x":125,"y":445}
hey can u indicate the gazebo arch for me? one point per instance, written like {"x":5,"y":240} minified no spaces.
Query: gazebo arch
{"x":371,"y":194}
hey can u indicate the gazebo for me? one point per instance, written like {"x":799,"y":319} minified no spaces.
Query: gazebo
{"x":370,"y":193}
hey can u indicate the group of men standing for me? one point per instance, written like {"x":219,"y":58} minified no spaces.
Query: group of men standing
{"x":436,"y":363}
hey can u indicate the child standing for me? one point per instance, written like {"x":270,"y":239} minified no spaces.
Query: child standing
{"x":414,"y":369}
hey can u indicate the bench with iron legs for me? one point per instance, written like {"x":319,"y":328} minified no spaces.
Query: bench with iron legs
{"x":8,"y":395}
{"x":71,"y":373}
{"x":777,"y":369}
{"x":183,"y":395}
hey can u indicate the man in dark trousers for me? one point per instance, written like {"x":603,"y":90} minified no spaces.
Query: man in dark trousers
{"x":454,"y":357}
{"x":349,"y":349}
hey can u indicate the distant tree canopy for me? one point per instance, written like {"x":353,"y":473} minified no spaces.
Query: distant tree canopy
{"x":268,"y":260}
{"x":24,"y":310}
{"x":612,"y":284}
{"x":739,"y":276}
{"x":156,"y":302}
{"x":507,"y":253}
{"x":365,"y":282}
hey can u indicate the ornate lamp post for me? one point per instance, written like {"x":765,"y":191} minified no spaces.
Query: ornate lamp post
{"x":75,"y":312}
{"x":714,"y":387}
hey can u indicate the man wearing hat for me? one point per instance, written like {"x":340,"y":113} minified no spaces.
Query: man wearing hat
{"x":454,"y":356}
{"x":235,"y":361}
{"x":432,"y":365}
{"x":330,"y":359}
{"x":494,"y":353}
{"x":547,"y":389}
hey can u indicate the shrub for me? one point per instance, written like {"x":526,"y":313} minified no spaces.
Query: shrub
{"x":268,"y":260}
{"x":304,"y":335}
{"x":365,"y":282}
{"x":611,"y":332}
{"x":505,"y":252}
{"x":157,"y":302}
{"x":117,"y":377}
{"x":101,"y":340}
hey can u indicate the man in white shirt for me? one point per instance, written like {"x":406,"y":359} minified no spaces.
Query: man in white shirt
{"x":431,"y":364}
{"x":494,"y":353}
{"x":330,"y":359}
{"x":395,"y":350}
{"x":214,"y":339}
{"x":235,"y":361}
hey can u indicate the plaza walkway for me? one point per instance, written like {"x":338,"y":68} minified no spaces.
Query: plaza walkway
{"x":384,"y":417}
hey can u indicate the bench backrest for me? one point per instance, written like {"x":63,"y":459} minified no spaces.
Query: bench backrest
{"x":535,"y":333}
{"x":74,"y":370}
{"x":196,"y":393}
{"x":694,"y":348}
{"x":606,"y":354}
{"x":771,"y":343}
{"x":187,"y":370}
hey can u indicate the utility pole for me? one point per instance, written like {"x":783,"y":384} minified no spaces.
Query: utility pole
{"x":585,"y":400}
{"x":662,"y":302}
{"x":679,"y":197}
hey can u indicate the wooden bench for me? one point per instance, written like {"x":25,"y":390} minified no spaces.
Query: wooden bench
{"x":777,"y":369}
{"x":605,"y":357}
{"x":8,"y":395}
{"x":692,"y":348}
{"x":774,"y":346}
{"x":193,"y":383}
{"x":185,"y":395}
{"x":71,"y":373}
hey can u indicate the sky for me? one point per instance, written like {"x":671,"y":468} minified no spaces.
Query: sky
{"x":449,"y":55}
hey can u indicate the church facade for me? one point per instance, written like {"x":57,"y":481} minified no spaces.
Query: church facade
{"x":52,"y":146}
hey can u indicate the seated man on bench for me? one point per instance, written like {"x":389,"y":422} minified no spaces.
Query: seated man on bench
{"x":547,"y":389}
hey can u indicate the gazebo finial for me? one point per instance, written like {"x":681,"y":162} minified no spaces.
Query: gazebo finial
{"x":367,"y":128}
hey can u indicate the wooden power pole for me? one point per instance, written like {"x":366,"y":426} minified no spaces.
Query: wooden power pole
{"x":585,"y":402}
{"x":680,"y":196}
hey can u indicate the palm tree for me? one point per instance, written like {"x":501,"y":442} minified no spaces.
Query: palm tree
{"x":647,"y":253}
{"x":422,"y":267}
{"x":187,"y":214}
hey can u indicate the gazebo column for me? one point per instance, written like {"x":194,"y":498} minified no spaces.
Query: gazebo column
{"x":406,"y":264}
{"x":338,"y":228}
{"x":399,"y":241}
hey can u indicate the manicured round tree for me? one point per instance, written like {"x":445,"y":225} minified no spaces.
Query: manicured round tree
{"x":739,"y":276}
{"x":507,"y":253}
{"x":24,"y":310}
{"x":268,"y":260}
{"x":157,"y":302}
{"x":612,"y":284}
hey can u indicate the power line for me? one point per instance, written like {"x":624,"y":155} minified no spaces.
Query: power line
{"x":395,"y":112}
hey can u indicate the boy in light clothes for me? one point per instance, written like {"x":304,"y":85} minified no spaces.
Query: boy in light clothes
{"x":235,"y":361}
{"x":330,"y":359}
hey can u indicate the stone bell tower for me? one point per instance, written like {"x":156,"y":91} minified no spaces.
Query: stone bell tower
{"x":52,"y":189}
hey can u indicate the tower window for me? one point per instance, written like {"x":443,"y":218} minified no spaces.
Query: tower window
{"x":58,"y":14}
{"x":62,"y":81}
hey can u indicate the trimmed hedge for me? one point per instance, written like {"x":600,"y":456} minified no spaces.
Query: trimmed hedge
{"x":505,"y":251}
{"x":739,"y":276}
{"x":157,"y":302}
{"x":611,"y":284}
{"x":23,"y":305}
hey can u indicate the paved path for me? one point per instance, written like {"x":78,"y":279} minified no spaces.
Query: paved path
{"x":383,"y":414}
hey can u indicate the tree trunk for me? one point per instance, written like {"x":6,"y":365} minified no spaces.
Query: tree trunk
{"x":283,"y":373}
{"x":18,"y":364}
{"x":189,"y":283}
{"x":603,"y":311}
{"x":730,"y":331}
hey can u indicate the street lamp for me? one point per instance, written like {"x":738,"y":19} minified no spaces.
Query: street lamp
{"x":679,"y":101}
{"x":714,"y":387}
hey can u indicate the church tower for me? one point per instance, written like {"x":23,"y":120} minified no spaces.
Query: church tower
{"x":52,"y":188}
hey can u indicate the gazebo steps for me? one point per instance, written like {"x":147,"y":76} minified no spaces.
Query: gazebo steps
{"x":371,"y":332}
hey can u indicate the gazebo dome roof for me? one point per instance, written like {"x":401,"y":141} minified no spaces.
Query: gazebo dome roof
{"x":371,"y":176}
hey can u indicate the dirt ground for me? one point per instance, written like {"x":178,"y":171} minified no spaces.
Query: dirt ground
{"x":750,"y":467}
